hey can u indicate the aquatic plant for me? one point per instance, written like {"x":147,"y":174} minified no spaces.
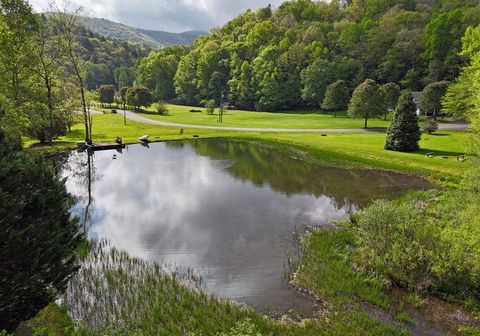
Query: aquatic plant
{"x":113,"y":287}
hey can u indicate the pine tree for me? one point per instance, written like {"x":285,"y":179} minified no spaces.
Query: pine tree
{"x":404,"y":133}
{"x":38,"y":236}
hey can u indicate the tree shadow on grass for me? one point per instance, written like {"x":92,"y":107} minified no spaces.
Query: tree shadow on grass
{"x":437,"y":134}
{"x":435,"y":153}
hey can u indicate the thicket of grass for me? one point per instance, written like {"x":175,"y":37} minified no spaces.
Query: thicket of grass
{"x":115,"y":294}
{"x":425,"y":241}
{"x":326,"y":270}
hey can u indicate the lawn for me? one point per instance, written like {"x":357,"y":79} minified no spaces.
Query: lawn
{"x":238,"y":118}
{"x":366,"y":149}
{"x":345,"y":149}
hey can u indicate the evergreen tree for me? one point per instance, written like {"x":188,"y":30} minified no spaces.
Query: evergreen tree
{"x":38,"y":236}
{"x":404,"y":133}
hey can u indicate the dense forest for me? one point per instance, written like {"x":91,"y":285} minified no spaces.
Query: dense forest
{"x":286,"y":57}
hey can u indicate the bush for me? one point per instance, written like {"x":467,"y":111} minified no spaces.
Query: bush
{"x":430,"y":126}
{"x":426,"y":241}
{"x":397,"y":242}
{"x":209,"y":105}
{"x":162,"y":107}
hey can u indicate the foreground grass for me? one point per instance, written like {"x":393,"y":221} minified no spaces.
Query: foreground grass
{"x":280,"y":119}
{"x":352,"y":149}
{"x":115,"y":294}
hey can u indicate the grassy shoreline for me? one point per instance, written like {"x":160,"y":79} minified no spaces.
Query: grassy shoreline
{"x":363,"y":150}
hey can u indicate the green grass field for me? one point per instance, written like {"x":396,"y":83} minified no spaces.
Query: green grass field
{"x":366,"y":149}
{"x":351,"y":149}
{"x":239,"y":118}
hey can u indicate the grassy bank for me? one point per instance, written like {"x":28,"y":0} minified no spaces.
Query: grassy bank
{"x":366,"y":150}
{"x":147,"y":301}
{"x":353,"y":149}
{"x":328,"y":270}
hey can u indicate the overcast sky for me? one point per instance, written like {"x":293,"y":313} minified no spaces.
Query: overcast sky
{"x":168,"y":15}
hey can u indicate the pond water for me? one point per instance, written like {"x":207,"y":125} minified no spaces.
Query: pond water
{"x":227,"y":210}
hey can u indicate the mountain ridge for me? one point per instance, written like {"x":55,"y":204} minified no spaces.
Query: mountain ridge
{"x":154,"y":39}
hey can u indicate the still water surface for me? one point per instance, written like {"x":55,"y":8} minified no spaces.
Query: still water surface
{"x":228,"y":210}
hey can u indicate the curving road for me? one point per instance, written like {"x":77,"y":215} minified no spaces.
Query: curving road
{"x":138,"y":118}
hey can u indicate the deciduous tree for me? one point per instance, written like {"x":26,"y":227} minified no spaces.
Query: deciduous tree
{"x":106,"y":94}
{"x":336,"y":96}
{"x":391,"y":93}
{"x":139,"y":96}
{"x":431,"y":98}
{"x":367,"y":101}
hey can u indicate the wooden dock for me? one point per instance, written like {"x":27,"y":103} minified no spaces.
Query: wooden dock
{"x":100,"y":146}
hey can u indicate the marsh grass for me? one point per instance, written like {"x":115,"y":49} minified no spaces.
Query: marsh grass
{"x":113,"y":287}
{"x":327,"y":272}
{"x":114,"y":292}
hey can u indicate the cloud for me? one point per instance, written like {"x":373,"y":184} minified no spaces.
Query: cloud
{"x":168,"y":15}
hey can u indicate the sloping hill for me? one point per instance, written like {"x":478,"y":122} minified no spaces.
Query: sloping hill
{"x":153,"y":38}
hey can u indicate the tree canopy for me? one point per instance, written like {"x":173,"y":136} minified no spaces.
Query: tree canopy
{"x":431,"y":98}
{"x":286,"y":57}
{"x":138,"y":96}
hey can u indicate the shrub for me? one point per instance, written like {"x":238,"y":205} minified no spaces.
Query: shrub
{"x":396,"y":241}
{"x":430,"y":126}
{"x":426,"y":241}
{"x":209,"y":105}
{"x":162,"y":107}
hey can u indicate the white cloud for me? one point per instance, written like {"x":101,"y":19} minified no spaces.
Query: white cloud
{"x":168,"y":15}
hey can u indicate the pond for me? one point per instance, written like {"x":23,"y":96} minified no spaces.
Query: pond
{"x":228,"y":210}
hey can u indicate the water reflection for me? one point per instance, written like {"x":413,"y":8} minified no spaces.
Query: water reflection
{"x":225,"y":209}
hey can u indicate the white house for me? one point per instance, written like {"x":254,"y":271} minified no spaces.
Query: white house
{"x":416,"y":99}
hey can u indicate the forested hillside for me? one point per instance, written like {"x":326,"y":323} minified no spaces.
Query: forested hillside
{"x":152,"y":38}
{"x":285,"y":58}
